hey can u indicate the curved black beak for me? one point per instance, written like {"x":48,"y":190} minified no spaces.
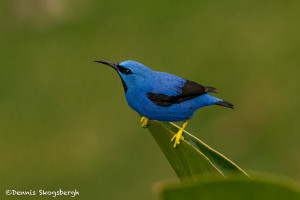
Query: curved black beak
{"x":113,"y":65}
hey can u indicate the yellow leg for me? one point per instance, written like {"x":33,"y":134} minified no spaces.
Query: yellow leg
{"x":144,"y":121}
{"x":178,"y":136}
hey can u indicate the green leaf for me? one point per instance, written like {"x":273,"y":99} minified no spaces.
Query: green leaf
{"x":192,"y":159}
{"x":233,"y":188}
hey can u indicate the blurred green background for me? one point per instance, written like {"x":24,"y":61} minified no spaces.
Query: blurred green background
{"x":64,"y":120}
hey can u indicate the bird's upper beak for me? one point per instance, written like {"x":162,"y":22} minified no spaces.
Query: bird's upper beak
{"x":113,"y":65}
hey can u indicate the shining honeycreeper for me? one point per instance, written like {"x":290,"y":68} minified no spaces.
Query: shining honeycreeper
{"x":162,"y":96}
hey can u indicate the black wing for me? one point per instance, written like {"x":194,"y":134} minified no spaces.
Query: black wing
{"x":189,"y":91}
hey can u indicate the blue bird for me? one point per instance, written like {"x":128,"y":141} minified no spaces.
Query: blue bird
{"x":162,"y":96}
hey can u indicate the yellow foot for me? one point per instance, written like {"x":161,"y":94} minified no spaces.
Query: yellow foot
{"x":178,"y":136}
{"x":144,"y":121}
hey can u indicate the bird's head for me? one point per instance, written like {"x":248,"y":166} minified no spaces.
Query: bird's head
{"x":132,"y":73}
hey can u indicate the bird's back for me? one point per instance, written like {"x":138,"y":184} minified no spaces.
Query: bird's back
{"x":165,"y":83}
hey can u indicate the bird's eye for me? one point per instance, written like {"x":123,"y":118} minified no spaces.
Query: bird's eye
{"x":124,"y":70}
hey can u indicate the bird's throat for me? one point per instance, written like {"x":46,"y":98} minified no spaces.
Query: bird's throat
{"x":123,"y":83}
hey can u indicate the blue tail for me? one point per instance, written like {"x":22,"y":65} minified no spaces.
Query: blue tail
{"x":224,"y":103}
{"x":207,"y":100}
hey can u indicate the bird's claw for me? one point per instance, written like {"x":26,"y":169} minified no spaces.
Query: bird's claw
{"x":144,"y":121}
{"x":178,"y":136}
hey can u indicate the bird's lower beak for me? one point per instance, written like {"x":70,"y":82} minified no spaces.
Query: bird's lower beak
{"x":113,"y":65}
